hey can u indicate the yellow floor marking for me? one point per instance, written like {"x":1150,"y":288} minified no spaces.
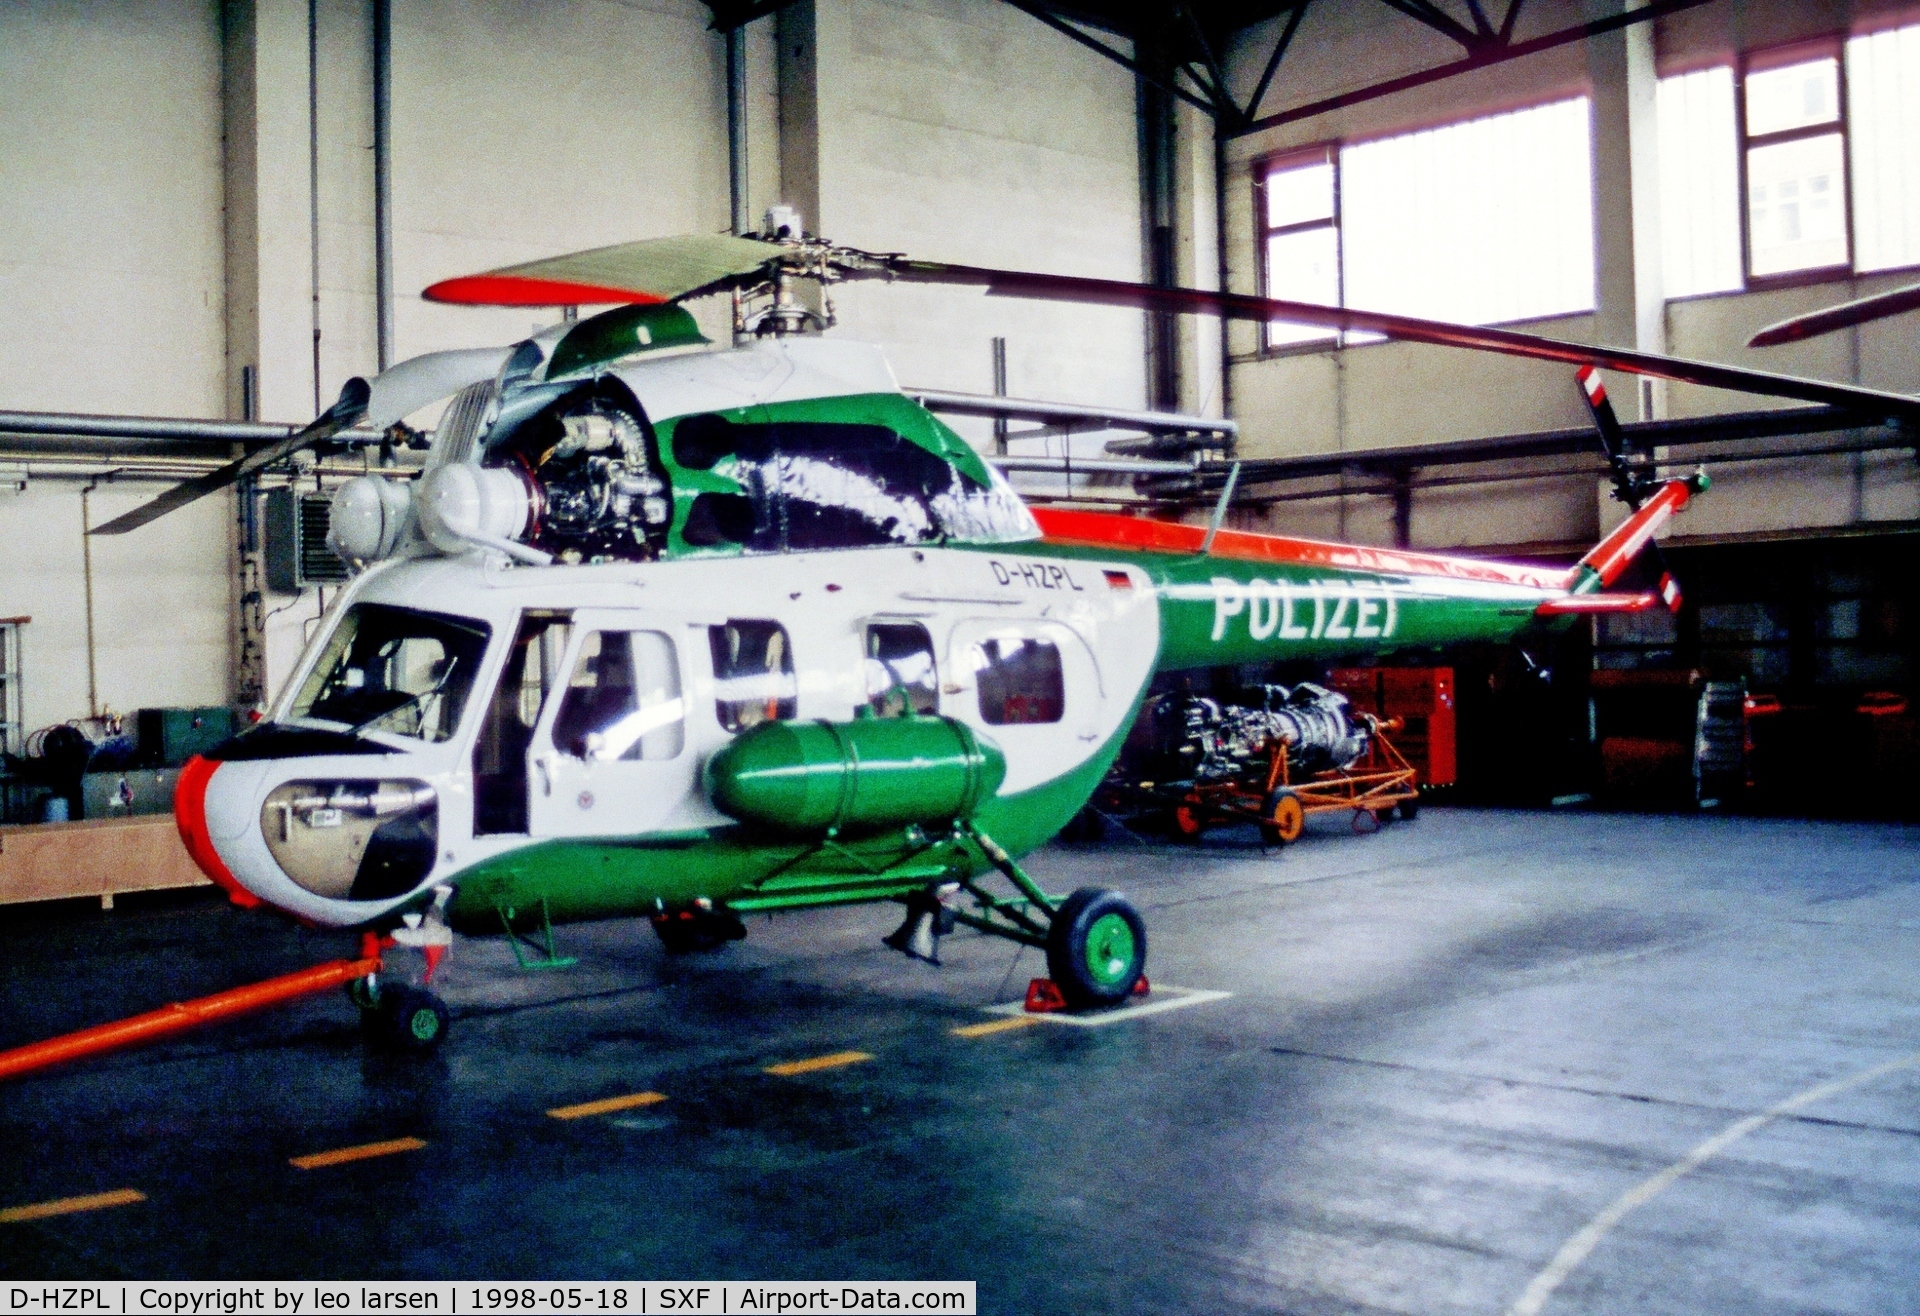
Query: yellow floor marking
{"x":1576,"y":1249}
{"x":996,"y":1026}
{"x":607,"y":1105}
{"x":834,"y":1061}
{"x":366,"y":1151}
{"x":68,"y":1205}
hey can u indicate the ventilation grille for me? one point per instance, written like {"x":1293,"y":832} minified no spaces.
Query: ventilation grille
{"x":296,"y":542}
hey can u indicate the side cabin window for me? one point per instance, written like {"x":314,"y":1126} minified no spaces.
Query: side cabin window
{"x":752,"y":674}
{"x":1019,"y":680}
{"x":812,"y":485}
{"x":623,"y":699}
{"x":500,"y":753}
{"x":900,"y":670}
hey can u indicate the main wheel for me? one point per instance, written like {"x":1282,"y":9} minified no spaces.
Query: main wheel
{"x":693,"y":931}
{"x":1285,"y":819}
{"x":1096,"y":948}
{"x":1410,"y":808}
{"x":411,"y":1019}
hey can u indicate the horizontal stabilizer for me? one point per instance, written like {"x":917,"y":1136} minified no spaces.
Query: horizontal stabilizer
{"x":1582,"y":605}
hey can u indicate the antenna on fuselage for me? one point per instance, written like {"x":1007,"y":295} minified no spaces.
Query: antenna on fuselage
{"x":1220,"y":509}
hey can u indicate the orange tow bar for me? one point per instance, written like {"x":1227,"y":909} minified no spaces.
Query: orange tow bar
{"x":183,"y":1015}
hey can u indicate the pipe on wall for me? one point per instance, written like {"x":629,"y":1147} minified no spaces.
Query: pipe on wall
{"x":737,"y":127}
{"x":86,"y":568}
{"x":383,"y":178}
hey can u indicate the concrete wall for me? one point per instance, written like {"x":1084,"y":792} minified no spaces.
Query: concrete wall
{"x":162,"y":196}
{"x":112,"y":279}
{"x":968,"y":132}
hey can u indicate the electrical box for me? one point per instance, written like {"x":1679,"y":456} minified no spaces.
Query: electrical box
{"x":296,"y":542}
{"x":168,"y":737}
{"x":1422,"y":698}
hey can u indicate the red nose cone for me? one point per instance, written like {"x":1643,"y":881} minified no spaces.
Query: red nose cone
{"x":190,"y":816}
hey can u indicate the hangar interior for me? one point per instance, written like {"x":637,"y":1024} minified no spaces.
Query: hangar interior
{"x":219,"y":212}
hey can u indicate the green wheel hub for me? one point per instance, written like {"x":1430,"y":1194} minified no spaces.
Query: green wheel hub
{"x":424,"y":1024}
{"x":1109,"y":949}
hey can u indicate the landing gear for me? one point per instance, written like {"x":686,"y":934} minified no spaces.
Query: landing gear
{"x":406,"y":1019}
{"x":1096,"y":947}
{"x":691,"y":931}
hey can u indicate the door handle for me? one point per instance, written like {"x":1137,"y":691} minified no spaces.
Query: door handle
{"x":546,"y":763}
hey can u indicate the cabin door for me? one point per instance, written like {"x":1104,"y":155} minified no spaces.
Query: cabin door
{"x":610,"y":755}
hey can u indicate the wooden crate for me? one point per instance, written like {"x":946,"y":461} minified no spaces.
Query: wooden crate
{"x":103,"y":857}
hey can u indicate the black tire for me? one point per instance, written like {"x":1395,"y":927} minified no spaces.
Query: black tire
{"x":1410,"y":809}
{"x":696,"y":931}
{"x":1096,"y":947}
{"x":412,"y":1019}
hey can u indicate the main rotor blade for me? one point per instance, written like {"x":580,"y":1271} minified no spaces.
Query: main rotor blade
{"x":1241,"y":306}
{"x":1815,"y":323}
{"x":350,"y":408}
{"x":648,"y":271}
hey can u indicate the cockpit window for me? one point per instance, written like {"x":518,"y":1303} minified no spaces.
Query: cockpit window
{"x":395,"y":670}
{"x":821,"y":484}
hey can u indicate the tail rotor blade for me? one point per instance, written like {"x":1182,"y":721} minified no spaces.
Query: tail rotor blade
{"x":1613,"y":441}
{"x":350,"y":408}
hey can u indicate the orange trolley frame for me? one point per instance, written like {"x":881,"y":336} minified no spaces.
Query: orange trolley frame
{"x":1378,"y":782}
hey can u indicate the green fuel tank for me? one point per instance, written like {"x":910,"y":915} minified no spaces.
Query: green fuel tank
{"x":868,"y":774}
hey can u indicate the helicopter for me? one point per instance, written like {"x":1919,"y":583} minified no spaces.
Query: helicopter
{"x":681,"y":631}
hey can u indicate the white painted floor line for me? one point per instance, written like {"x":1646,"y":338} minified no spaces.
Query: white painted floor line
{"x":1164,"y":998}
{"x":1576,"y":1249}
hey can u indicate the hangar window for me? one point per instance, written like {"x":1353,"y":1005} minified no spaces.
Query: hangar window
{"x":1502,"y":226}
{"x":1802,"y":165}
{"x":1794,"y":154}
{"x":752,"y":673}
{"x":1883,"y":109}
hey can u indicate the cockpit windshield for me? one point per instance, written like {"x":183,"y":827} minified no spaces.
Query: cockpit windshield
{"x":394,"y":670}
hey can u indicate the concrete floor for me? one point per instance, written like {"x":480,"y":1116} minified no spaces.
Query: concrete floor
{"x":1450,"y":1047}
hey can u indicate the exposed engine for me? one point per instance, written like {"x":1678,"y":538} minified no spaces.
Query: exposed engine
{"x":1211,"y":741}
{"x":601,"y":493}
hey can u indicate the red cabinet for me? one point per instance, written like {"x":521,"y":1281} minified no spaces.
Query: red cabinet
{"x":1422,"y":698}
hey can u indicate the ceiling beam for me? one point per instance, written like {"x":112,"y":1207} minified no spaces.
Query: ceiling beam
{"x":1486,"y":57}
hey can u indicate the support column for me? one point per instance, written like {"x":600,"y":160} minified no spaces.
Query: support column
{"x":1157,"y":228}
{"x":1631,"y":305}
{"x":1199,"y":340}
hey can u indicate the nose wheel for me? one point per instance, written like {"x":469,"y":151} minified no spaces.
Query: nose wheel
{"x":411,"y":1020}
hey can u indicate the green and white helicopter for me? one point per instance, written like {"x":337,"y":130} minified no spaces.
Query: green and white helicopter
{"x":679,"y":631}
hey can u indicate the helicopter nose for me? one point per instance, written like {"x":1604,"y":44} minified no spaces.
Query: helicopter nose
{"x":190,"y":816}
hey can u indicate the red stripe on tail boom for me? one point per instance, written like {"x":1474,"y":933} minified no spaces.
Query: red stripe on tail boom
{"x":1105,"y":530}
